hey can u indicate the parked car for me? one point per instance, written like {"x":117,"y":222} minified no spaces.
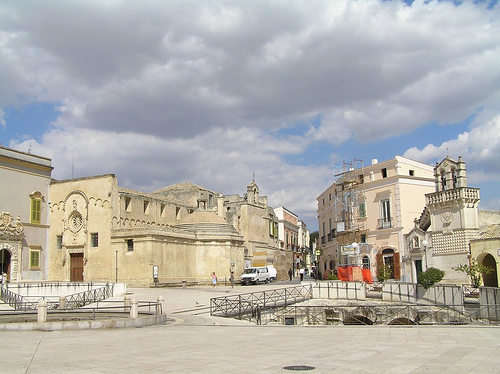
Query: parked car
{"x":255,"y":275}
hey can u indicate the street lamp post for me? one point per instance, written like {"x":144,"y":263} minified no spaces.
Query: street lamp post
{"x":318,"y":255}
{"x":425,"y":243}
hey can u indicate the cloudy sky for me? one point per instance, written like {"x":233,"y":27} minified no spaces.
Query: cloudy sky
{"x":167,"y":91}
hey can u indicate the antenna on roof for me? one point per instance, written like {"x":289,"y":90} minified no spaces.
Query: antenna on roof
{"x":253,"y":176}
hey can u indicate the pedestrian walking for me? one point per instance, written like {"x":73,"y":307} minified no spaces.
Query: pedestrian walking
{"x":290,"y":273}
{"x":214,"y":280}
{"x":231,"y":278}
{"x":301,"y":272}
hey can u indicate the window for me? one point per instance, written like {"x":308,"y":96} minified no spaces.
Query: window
{"x":59,"y":241}
{"x":384,"y":173}
{"x":362,"y":210}
{"x":162,"y":210}
{"x":36,"y":207}
{"x":34,"y":259}
{"x":128,"y":205}
{"x":146,"y":207}
{"x":94,"y":239}
{"x":130,"y":245}
{"x":412,"y":173}
{"x":363,"y":238}
{"x":385,"y":214}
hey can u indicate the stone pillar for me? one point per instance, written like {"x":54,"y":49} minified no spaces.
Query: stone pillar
{"x":161,"y":305}
{"x":134,"y":310}
{"x":42,"y":311}
{"x":62,"y":302}
{"x":126,"y":302}
{"x":220,"y":205}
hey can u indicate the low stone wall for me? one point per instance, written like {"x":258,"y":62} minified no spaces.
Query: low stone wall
{"x":339,"y":290}
{"x":400,"y":292}
{"x":86,"y":325}
{"x":489,"y":299}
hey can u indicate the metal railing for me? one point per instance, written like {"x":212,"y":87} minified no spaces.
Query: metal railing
{"x":73,"y":301}
{"x":115,"y":308}
{"x":15,"y":300}
{"x":81,"y":299}
{"x":240,"y":305}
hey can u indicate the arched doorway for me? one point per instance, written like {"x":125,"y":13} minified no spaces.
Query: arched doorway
{"x":5,"y":262}
{"x":491,"y":279}
{"x":388,"y":260}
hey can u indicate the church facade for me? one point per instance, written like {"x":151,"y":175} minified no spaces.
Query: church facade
{"x":451,"y":230}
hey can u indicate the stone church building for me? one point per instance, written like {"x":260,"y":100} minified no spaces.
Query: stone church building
{"x":102,"y":232}
{"x":451,"y":230}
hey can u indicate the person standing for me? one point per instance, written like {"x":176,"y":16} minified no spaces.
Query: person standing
{"x":290,"y":273}
{"x":214,"y":280}
{"x":301,"y":272}
{"x":231,"y":278}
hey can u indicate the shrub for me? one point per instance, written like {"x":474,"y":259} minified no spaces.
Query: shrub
{"x":430,"y":276}
{"x":474,"y":271}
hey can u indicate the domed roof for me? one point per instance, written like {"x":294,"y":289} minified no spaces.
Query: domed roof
{"x":203,"y":217}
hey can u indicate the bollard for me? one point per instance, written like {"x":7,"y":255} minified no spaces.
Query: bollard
{"x":160,"y":306}
{"x":184,"y":284}
{"x":42,"y":311}
{"x":126,"y":301}
{"x":62,"y":302}
{"x":134,"y":310}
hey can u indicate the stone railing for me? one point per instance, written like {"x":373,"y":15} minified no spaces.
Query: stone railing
{"x":468,"y":194}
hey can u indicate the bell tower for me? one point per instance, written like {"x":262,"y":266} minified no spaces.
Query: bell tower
{"x":454,"y":217}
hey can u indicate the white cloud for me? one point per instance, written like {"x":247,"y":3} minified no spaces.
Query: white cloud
{"x":480,"y":147}
{"x":201,"y":90}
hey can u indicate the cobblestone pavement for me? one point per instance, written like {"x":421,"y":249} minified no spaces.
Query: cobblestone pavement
{"x":199,"y":343}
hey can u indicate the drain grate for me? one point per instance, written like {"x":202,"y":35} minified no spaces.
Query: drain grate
{"x":299,"y":367}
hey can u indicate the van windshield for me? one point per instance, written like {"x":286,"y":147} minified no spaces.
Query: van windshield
{"x":250,"y":271}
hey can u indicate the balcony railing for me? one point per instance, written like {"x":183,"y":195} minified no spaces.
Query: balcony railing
{"x":466,"y":193}
{"x":385,"y":223}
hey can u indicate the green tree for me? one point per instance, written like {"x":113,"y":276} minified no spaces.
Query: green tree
{"x":430,"y":276}
{"x":474,"y":272}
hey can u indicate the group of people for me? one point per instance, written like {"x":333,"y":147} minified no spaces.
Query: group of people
{"x":214,"y":279}
{"x":301,"y":274}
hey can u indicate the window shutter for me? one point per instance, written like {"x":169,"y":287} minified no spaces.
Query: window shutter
{"x":397,"y":266}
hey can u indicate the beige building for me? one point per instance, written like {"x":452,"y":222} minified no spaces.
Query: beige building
{"x":288,"y":228}
{"x":486,"y":250}
{"x":441,"y":235}
{"x":102,"y":232}
{"x":451,"y":229}
{"x":24,"y":218}
{"x":364,"y":214}
{"x":249,"y":214}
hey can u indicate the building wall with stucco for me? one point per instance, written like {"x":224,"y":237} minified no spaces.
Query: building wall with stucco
{"x":24,"y":177}
{"x":136,"y":234}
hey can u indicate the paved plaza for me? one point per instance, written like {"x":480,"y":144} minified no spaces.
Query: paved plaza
{"x":195,"y":342}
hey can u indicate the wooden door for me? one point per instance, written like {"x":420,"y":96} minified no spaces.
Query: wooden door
{"x":76,"y":267}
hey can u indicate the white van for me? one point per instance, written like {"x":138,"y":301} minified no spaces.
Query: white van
{"x":273,"y":273}
{"x":255,"y":275}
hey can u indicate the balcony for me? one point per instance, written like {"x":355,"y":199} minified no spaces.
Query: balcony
{"x":384,"y":223}
{"x":468,"y":194}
